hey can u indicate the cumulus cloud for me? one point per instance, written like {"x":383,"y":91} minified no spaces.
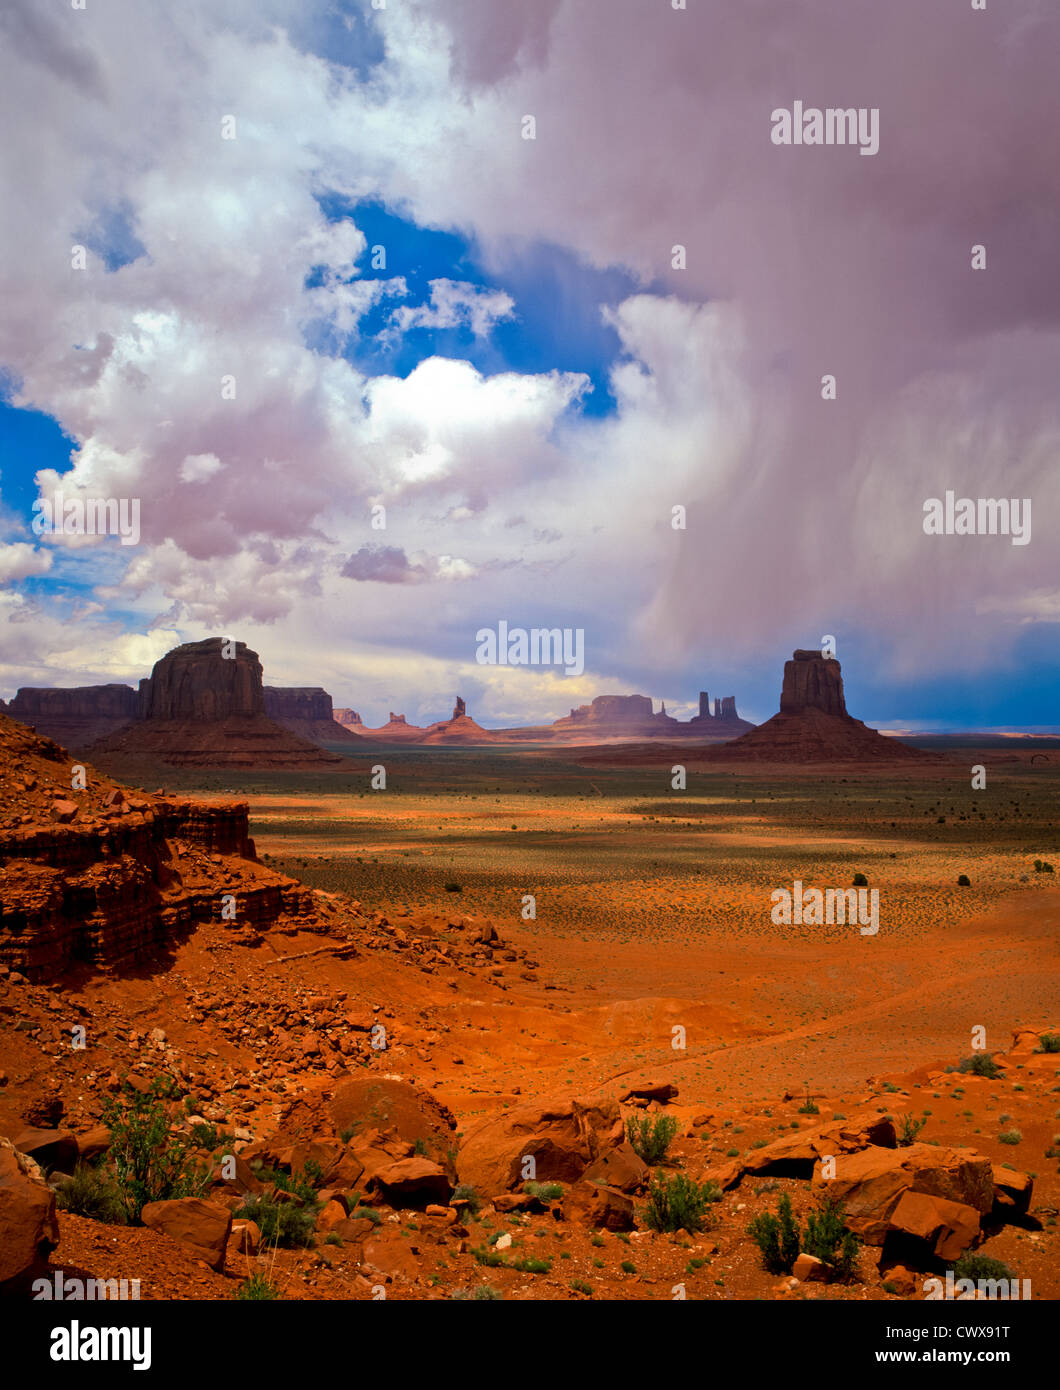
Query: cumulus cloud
{"x":18,"y":560}
{"x":455,"y":304}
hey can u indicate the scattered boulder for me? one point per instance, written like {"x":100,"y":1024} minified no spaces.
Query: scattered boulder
{"x":619,"y":1167}
{"x":808,"y":1269}
{"x":367,"y":1102}
{"x":796,"y":1154}
{"x":413,"y":1182}
{"x":93,"y":1144}
{"x":647,"y":1091}
{"x":947,"y":1229}
{"x":871,"y":1183}
{"x":204,"y":1226}
{"x":563,"y":1137}
{"x":592,"y":1204}
{"x":51,"y":1148}
{"x":726,"y":1175}
{"x":1012,"y":1192}
{"x":246,"y":1237}
{"x":29,"y":1228}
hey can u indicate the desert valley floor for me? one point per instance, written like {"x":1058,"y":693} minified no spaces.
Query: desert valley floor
{"x":652,"y":927}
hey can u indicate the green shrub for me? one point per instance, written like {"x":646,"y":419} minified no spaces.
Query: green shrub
{"x":300,"y":1185}
{"x":280,"y":1223}
{"x":1049,"y":1042}
{"x":860,"y":881}
{"x":777,"y":1237}
{"x":257,"y":1287}
{"x":464,"y":1192}
{"x":544,"y":1191}
{"x":981,"y":1267}
{"x":628,"y":1267}
{"x":204,"y":1137}
{"x":828,"y":1238}
{"x":1042,"y":866}
{"x":678,"y":1203}
{"x":1010,"y":1136}
{"x":910,"y":1129}
{"x":486,"y":1293}
{"x":980,"y":1064}
{"x":92,"y":1192}
{"x":963,"y":881}
{"x":650,"y":1141}
{"x":150,"y":1164}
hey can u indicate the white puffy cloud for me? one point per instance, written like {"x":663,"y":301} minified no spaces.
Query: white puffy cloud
{"x":19,"y":560}
{"x":456,"y":304}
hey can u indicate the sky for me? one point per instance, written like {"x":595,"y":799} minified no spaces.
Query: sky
{"x":328,"y":280}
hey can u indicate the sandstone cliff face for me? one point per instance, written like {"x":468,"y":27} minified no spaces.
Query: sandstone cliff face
{"x":111,"y":878}
{"x":79,"y":702}
{"x":812,"y":681}
{"x":813,"y":725}
{"x":624,"y":710}
{"x":297,"y":702}
{"x":203,"y":708}
{"x":198,"y":682}
{"x":349,"y":718}
{"x":723,"y":721}
{"x":307,"y":711}
{"x":75,"y":716}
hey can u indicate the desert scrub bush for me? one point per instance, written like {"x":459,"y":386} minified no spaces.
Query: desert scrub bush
{"x":300,"y":1185}
{"x":828,"y":1238}
{"x":651,"y":1140}
{"x":1010,"y":1136}
{"x":980,"y":1064}
{"x":981,"y":1267}
{"x":860,"y":881}
{"x":963,"y":881}
{"x":92,"y":1192}
{"x":150,"y":1164}
{"x":280,"y":1223}
{"x":1050,"y":1042}
{"x":204,"y":1136}
{"x":454,"y":888}
{"x":909,"y":1130}
{"x":628,"y":1267}
{"x":810,"y":1108}
{"x":256,"y":1287}
{"x":1042,"y":866}
{"x":465,"y":1192}
{"x":678,"y":1203}
{"x":777,"y":1237}
{"x":580,"y":1286}
{"x":544,"y":1191}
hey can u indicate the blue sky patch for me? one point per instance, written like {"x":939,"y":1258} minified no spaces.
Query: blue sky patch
{"x":557,"y":323}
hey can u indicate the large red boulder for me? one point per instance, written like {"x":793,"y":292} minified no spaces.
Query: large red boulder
{"x":29,"y":1229}
{"x":204,"y":1226}
{"x":563,"y":1137}
{"x":870,"y":1184}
